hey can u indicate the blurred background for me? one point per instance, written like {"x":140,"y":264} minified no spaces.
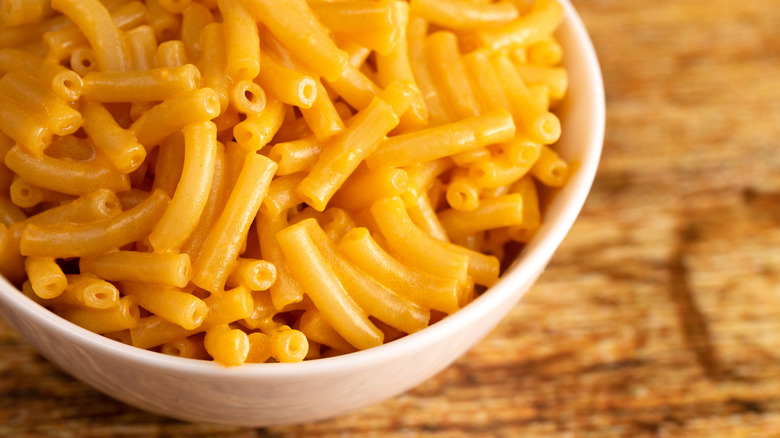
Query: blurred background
{"x":660,"y":313}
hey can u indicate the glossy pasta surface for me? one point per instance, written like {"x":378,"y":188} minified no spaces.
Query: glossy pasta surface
{"x":254,"y":181}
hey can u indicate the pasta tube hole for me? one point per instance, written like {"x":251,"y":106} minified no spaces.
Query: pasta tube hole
{"x":100,"y":295}
{"x":256,"y":101}
{"x":245,"y":71}
{"x":51,"y":288}
{"x":244,"y":136}
{"x":307,"y":92}
{"x":558,"y":171}
{"x":263,"y":275}
{"x":289,"y":346}
{"x":462,"y":196}
{"x":549,"y":127}
{"x":68,"y":84}
{"x":83,"y":61}
{"x":106,"y":203}
{"x":248,"y":98}
{"x":528,"y":155}
{"x":463,"y":200}
{"x":25,"y":195}
{"x":197,"y":314}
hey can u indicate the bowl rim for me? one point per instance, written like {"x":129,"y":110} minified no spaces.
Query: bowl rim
{"x":532,"y":260}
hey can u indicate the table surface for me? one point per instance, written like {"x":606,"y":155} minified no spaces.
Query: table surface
{"x":659,"y":315}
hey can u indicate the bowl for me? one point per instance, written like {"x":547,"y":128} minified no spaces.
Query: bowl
{"x":275,"y":394}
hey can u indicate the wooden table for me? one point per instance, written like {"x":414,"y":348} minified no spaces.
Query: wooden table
{"x":660,"y":314}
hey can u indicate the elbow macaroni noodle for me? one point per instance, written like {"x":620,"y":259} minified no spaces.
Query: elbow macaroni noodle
{"x":267,"y":180}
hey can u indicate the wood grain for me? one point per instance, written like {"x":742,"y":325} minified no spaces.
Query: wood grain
{"x":660,"y":314}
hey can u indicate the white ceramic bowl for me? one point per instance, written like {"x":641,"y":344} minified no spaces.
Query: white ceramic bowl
{"x":270,"y":394}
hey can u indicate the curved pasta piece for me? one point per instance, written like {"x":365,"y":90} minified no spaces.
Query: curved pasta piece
{"x":65,"y":176}
{"x":311,"y":271}
{"x":425,"y":289}
{"x":221,"y":248}
{"x":376,"y":299}
{"x":414,"y":246}
{"x":104,"y":36}
{"x":62,"y":82}
{"x":224,"y":308}
{"x":77,"y":240}
{"x":152,"y":84}
{"x":503,"y":211}
{"x":167,"y":269}
{"x":192,"y":190}
{"x":474,"y":132}
{"x":294,"y":23}
{"x":172,"y":304}
{"x":242,"y":40}
{"x":125,"y":315}
{"x":46,"y":276}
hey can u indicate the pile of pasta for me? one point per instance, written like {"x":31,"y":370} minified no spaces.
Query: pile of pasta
{"x":271,"y":180}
